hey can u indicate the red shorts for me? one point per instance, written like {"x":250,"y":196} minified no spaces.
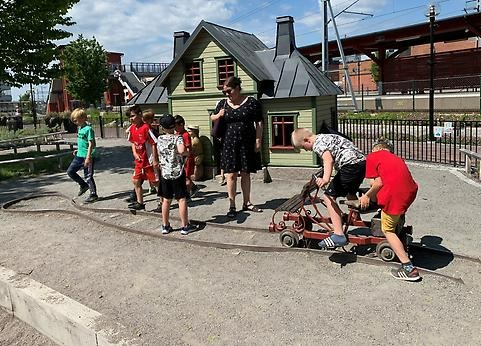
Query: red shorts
{"x":189,"y":166}
{"x":144,"y":172}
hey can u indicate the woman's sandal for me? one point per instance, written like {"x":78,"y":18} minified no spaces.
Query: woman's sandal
{"x":232,"y":212}
{"x":251,"y":207}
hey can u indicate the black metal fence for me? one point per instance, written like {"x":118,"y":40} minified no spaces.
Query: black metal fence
{"x":411,"y":138}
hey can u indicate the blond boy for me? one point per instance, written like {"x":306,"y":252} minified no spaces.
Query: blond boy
{"x":350,"y":163}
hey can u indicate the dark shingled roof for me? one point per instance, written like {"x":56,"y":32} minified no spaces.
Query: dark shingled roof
{"x":239,"y":44}
{"x":292,"y":76}
{"x":295,"y":76}
{"x":152,"y":93}
{"x":133,"y":82}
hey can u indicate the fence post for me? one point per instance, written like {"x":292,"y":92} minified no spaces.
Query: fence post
{"x":414,"y":95}
{"x":117,"y":130}
{"x":121,"y":119}
{"x":101,"y":124}
{"x":362,"y":98}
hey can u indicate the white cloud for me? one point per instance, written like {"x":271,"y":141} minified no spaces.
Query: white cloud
{"x":144,"y":28}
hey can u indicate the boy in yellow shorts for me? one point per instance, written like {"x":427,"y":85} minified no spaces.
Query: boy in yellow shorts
{"x":395,"y":190}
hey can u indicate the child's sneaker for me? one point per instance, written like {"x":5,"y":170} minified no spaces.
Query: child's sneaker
{"x":91,"y":199}
{"x":152,"y":191}
{"x":187,"y":229}
{"x":403,"y":274}
{"x":137,"y":206}
{"x":333,"y":241}
{"x":82,"y":190}
{"x":223,"y":182}
{"x":166,"y":229}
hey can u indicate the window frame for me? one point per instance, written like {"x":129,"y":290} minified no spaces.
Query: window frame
{"x":201,"y":75}
{"x":295,"y":116}
{"x":218,"y":72}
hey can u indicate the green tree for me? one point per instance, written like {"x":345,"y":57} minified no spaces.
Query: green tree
{"x":28,"y":31}
{"x":86,"y":69}
{"x":25,"y":97}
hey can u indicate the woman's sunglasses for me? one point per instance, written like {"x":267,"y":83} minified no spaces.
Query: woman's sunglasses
{"x":227,"y":92}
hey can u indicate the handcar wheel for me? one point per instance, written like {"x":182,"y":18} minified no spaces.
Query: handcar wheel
{"x":385,"y":252}
{"x":289,"y":239}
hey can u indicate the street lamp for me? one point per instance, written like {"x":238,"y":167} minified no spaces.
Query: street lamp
{"x":432,"y":18}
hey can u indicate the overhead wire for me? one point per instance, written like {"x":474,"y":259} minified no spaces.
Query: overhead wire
{"x":316,"y":12}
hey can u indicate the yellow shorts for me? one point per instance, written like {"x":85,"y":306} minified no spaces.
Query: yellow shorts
{"x":389,"y":222}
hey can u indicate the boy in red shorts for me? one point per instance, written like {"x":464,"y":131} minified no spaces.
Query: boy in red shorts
{"x":140,"y":136}
{"x":395,"y":190}
{"x":189,"y":165}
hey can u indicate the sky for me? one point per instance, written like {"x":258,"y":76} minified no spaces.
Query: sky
{"x":143,"y":29}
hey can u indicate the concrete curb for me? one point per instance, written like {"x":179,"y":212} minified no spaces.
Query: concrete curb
{"x":58,"y":317}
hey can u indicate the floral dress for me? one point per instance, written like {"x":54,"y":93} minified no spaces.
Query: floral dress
{"x":238,"y":145}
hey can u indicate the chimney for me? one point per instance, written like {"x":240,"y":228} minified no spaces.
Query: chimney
{"x":180,"y":37}
{"x":285,"y":40}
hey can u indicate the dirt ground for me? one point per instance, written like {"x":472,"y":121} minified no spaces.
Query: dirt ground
{"x":165,"y":292}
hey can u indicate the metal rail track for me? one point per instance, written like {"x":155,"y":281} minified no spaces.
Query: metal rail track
{"x":81,"y":209}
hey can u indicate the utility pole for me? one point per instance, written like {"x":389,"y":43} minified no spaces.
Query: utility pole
{"x":341,"y":52}
{"x":472,"y":6}
{"x":432,"y":18}
{"x":325,"y":39}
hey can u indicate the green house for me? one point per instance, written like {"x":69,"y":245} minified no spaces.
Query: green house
{"x":292,"y":91}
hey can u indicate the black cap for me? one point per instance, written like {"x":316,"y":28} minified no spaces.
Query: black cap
{"x":167,"y":121}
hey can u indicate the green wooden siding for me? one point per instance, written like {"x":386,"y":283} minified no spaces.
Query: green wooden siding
{"x":195,"y":112}
{"x":324,"y":105}
{"x":279,"y":157}
{"x":205,"y":48}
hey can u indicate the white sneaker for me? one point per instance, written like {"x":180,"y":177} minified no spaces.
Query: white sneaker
{"x":166,"y":229}
{"x":187,"y":229}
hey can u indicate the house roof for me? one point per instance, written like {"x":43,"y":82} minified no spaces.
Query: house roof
{"x":152,"y":93}
{"x":293,"y":76}
{"x":239,"y":44}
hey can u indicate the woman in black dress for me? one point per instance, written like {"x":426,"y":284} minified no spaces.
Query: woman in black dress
{"x":241,"y":143}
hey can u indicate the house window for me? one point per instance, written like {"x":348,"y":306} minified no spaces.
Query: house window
{"x":282,"y":127}
{"x":225,"y":69}
{"x":193,"y":75}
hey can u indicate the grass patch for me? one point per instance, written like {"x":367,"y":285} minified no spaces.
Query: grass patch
{"x":21,"y":169}
{"x":5,"y":134}
{"x":31,"y":154}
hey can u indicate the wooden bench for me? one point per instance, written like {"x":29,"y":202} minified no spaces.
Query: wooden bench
{"x":38,"y":140}
{"x":473,"y":159}
{"x":32,"y":160}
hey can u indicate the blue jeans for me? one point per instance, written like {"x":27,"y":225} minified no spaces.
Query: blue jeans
{"x":78,"y":163}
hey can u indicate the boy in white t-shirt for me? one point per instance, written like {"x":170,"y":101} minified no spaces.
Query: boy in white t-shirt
{"x":171,"y":151}
{"x":340,"y":153}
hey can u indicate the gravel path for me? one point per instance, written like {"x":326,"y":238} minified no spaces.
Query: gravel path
{"x":164,"y":292}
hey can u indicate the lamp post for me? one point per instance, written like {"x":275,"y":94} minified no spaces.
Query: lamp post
{"x":432,"y":18}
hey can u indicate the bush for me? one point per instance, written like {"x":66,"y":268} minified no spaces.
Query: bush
{"x":55,"y":121}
